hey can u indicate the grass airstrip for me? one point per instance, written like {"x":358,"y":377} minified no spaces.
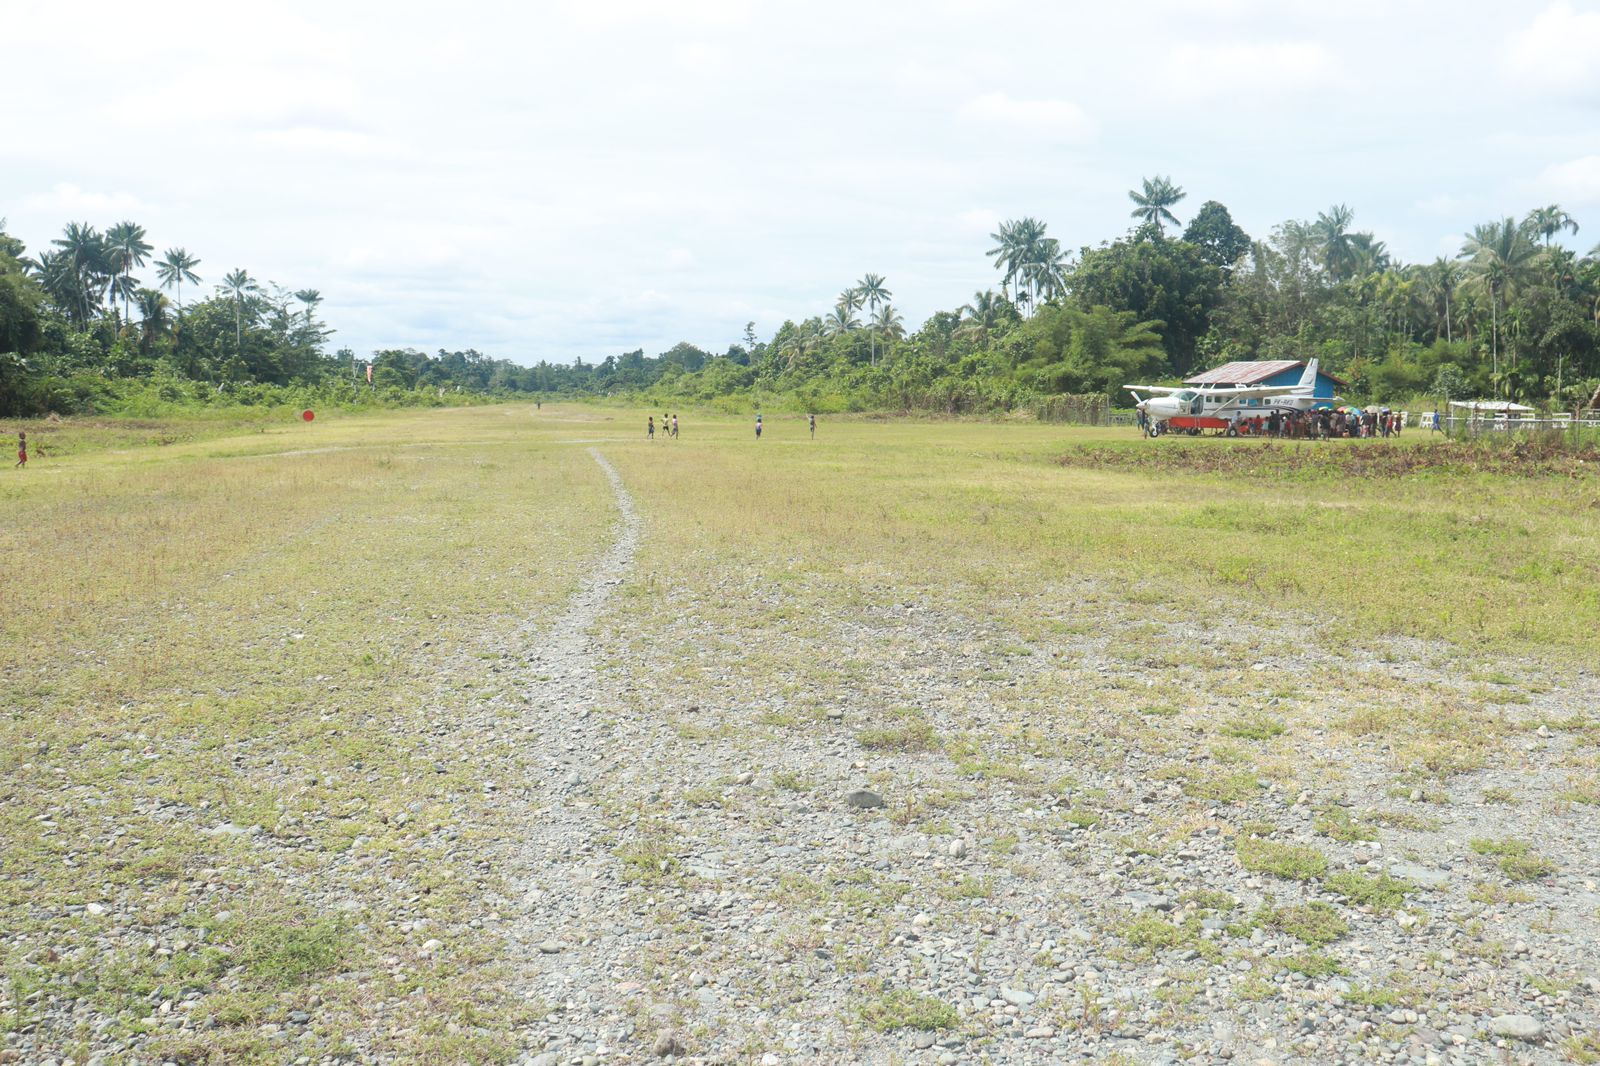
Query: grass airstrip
{"x":212,"y":634}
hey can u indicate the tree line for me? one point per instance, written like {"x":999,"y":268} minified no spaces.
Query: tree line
{"x":1514,"y":314}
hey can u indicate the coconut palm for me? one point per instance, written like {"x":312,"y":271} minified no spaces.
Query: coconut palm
{"x":1368,"y":254}
{"x":1546,"y":222}
{"x":982,"y":316}
{"x":240,"y":284}
{"x":176,"y":267}
{"x":1335,"y":242}
{"x":1500,"y":259}
{"x":1034,"y":264}
{"x":1155,"y":202}
{"x":887,"y":322}
{"x":1045,"y":272}
{"x":841,"y":321}
{"x":84,"y":270}
{"x":127,"y":249}
{"x":154,"y":321}
{"x":799,"y":346}
{"x":873,"y":293}
{"x":1439,"y":281}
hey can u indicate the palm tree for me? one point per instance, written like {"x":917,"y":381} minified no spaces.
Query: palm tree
{"x":982,"y":315}
{"x":1046,"y":270}
{"x":84,"y":269}
{"x":873,"y":293}
{"x":240,"y":284}
{"x":1155,"y":202}
{"x":1369,"y":254}
{"x":1500,"y":258}
{"x":1439,"y":280}
{"x":841,"y":321}
{"x":1028,"y":256}
{"x":311,"y":298}
{"x":850,"y":299}
{"x":154,"y":320}
{"x":1548,"y":221}
{"x":887,"y":321}
{"x":1332,"y":231}
{"x":176,"y":267}
{"x":800,"y":344}
{"x":127,"y":249}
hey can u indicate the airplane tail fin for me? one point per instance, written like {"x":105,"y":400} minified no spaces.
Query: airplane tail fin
{"x":1309,"y":378}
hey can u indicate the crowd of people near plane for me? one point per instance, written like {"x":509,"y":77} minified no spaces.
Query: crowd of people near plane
{"x":1318,"y":424}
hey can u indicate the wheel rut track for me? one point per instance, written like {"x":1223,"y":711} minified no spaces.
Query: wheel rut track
{"x":564,"y":882}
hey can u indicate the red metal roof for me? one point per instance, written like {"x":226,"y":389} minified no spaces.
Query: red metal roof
{"x":1244,"y":373}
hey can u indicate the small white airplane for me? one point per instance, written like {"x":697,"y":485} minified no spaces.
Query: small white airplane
{"x":1214,"y":407}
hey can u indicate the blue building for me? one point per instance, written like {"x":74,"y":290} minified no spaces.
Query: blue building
{"x":1271,"y":372}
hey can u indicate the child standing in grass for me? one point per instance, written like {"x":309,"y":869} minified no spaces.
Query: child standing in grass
{"x":22,"y":448}
{"x":674,"y":427}
{"x":758,"y":427}
{"x":650,"y":427}
{"x":813,"y":420}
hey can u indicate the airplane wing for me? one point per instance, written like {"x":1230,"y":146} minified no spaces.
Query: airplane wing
{"x":1153,"y":388}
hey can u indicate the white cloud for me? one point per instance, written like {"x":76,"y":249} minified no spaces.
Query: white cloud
{"x":1060,"y":117}
{"x":1559,"y":50}
{"x":979,"y":220}
{"x":1268,"y":68}
{"x":1571,"y":184}
{"x":1442,"y":204}
{"x":318,"y":141}
{"x":69,"y":200}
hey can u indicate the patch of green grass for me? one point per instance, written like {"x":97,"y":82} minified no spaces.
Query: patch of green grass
{"x":790,"y":781}
{"x":1382,"y":893}
{"x":1210,"y":899}
{"x":648,"y":859}
{"x":1159,"y":710}
{"x":1516,"y":858}
{"x":286,"y":953}
{"x":911,"y":732}
{"x":969,"y":887}
{"x":1339,"y":824}
{"x":1228,"y":788}
{"x":1152,"y":933}
{"x":1314,"y":923}
{"x":1583,"y":1048}
{"x":1313,"y":964}
{"x":1289,"y":861}
{"x":1581,"y":790}
{"x":704,"y":796}
{"x":905,"y":1009}
{"x":1082,"y":817}
{"x":1254,"y":727}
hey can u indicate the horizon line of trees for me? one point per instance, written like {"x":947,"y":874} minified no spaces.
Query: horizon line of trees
{"x":1515,"y":314}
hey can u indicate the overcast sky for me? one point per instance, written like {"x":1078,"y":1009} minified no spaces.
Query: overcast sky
{"x":554,"y":180}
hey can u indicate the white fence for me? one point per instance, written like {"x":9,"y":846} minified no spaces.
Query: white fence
{"x":1502,"y":424}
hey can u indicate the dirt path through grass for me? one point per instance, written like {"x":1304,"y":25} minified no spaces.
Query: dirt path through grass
{"x":558,"y":866}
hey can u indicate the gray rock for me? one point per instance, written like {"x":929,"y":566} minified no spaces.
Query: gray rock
{"x":1147,"y":901}
{"x":550,"y":947}
{"x":1420,"y":875}
{"x":1516,"y":1026}
{"x":668,"y":1042}
{"x":863,"y":798}
{"x":1017,"y":997}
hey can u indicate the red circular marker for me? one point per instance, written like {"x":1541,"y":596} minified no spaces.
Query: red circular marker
{"x":307,"y":415}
